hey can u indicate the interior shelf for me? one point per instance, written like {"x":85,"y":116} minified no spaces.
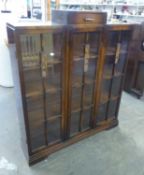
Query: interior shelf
{"x":32,"y":91}
{"x":54,"y":61}
{"x":83,"y":108}
{"x":26,"y":68}
{"x":53,"y":117}
{"x":111,"y":51}
{"x":82,"y":58}
{"x":78,"y":82}
{"x":105,"y":98}
{"x":52,"y":89}
{"x":109,"y":75}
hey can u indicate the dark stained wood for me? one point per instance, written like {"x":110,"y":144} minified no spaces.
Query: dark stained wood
{"x":69,"y":78}
{"x":134,"y":71}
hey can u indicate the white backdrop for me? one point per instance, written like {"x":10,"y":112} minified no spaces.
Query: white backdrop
{"x":18,"y":8}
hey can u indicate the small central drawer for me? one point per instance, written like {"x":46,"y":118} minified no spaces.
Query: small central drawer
{"x":78,"y":17}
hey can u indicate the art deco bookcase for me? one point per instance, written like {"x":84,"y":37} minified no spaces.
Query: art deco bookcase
{"x":68,"y":78}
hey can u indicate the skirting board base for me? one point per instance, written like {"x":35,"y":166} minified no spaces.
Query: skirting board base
{"x":44,"y":153}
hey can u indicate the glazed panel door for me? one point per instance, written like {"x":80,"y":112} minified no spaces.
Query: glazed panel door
{"x":83,"y":65}
{"x":43,"y":75}
{"x":113,"y":74}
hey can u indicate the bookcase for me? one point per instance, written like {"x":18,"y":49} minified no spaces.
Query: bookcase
{"x":68,"y":78}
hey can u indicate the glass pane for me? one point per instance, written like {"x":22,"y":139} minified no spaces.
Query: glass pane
{"x":52,"y":57}
{"x":113,"y":38}
{"x":52,"y":46}
{"x":125,"y":38}
{"x":101,"y":116}
{"x":91,"y":71}
{"x":53,"y":103}
{"x":53,"y":109}
{"x":119,"y":67}
{"x":30,"y":50}
{"x":37,"y":142}
{"x":75,"y":120}
{"x":35,"y":103}
{"x":94,"y":44}
{"x":76,"y":99}
{"x":52,"y":69}
{"x":53,"y":78}
{"x":33,"y":82}
{"x":35,"y":107}
{"x":77,"y":72}
{"x":105,"y":90}
{"x":86,"y":116}
{"x":116,"y":85}
{"x":78,"y":45}
{"x":54,"y":130}
{"x":88,"y":95}
{"x":112,"y":108}
{"x":36,"y":115}
{"x":37,"y":128}
{"x":108,"y":67}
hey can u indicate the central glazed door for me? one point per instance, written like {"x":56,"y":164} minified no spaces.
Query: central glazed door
{"x":84,"y":47}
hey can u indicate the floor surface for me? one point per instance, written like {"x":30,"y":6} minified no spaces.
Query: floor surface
{"x":119,"y":151}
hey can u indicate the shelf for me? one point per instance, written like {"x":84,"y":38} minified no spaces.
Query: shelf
{"x":37,"y":90}
{"x":94,"y":4}
{"x":110,"y":51}
{"x":33,"y":94}
{"x":52,"y":89}
{"x":53,"y":117}
{"x":128,"y":15}
{"x":84,"y":108}
{"x":31,"y":68}
{"x":33,"y":89}
{"x":82,"y":58}
{"x":105,"y":98}
{"x":78,"y":82}
{"x":53,"y":61}
{"x":131,"y":5}
{"x":113,"y":98}
{"x":31,"y":64}
{"x":110,"y":76}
